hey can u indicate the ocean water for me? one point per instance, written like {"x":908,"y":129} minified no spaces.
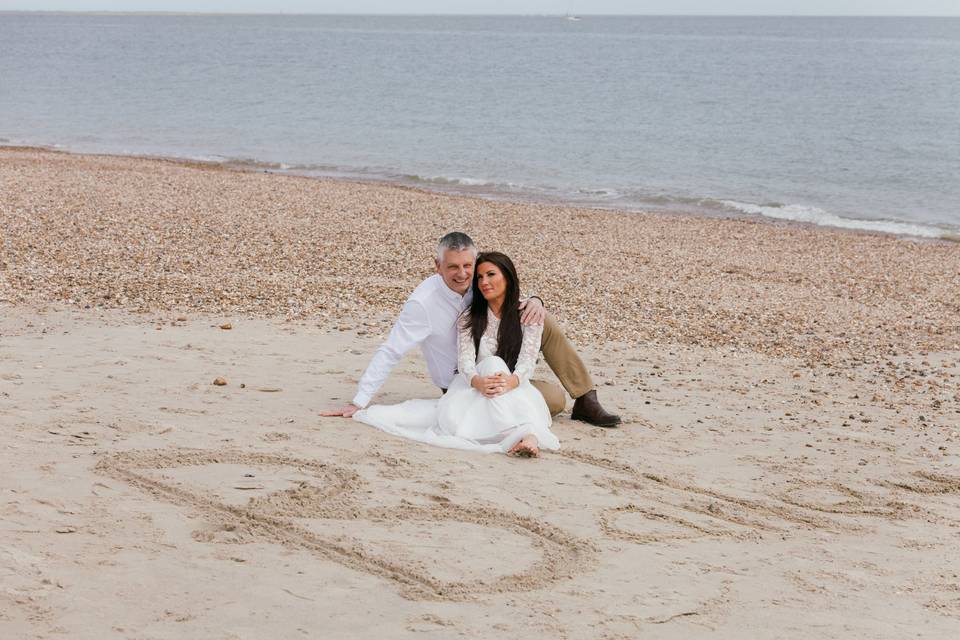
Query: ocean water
{"x":849,"y":122}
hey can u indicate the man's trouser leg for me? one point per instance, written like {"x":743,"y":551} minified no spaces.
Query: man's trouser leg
{"x":553,"y":395}
{"x":563,"y":359}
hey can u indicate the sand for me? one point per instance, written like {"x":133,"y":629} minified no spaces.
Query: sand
{"x":787,"y":467}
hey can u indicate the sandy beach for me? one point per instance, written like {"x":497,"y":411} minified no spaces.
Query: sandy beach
{"x":787,"y":466}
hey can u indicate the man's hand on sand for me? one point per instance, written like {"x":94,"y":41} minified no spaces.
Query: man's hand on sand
{"x":346,"y":411}
{"x":532,"y":312}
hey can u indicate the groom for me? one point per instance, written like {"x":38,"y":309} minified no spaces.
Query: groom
{"x":429,"y":320}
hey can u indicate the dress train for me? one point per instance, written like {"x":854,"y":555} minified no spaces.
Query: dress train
{"x":464,"y":419}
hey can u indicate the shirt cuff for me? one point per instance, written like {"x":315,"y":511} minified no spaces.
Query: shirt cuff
{"x":362,"y":399}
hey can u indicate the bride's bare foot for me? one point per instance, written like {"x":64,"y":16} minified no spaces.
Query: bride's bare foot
{"x":526,"y":448}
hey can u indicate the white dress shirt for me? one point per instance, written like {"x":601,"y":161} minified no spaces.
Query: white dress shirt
{"x":428,"y":319}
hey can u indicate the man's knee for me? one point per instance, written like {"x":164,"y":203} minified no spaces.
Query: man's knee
{"x":563,"y":359}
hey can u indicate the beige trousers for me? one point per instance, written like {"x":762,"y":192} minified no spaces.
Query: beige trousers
{"x":562,"y":358}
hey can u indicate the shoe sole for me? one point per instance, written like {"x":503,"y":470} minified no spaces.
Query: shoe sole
{"x":605,"y":425}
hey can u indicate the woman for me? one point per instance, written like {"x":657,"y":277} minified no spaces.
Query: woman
{"x":491,"y":405}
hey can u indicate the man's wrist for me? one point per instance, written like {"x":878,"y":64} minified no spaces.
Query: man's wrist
{"x":360,"y":400}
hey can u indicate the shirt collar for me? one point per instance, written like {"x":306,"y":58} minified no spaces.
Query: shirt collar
{"x":461,"y":301}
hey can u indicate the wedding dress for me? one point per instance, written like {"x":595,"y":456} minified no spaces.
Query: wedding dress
{"x":463,"y":418}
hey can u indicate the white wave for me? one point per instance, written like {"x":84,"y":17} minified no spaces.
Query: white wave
{"x":458,"y":180}
{"x":817,"y":216}
{"x":470,"y":182}
{"x":199,"y":157}
{"x":602,"y":192}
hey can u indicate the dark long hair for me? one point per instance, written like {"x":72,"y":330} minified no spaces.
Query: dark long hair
{"x":510,"y":335}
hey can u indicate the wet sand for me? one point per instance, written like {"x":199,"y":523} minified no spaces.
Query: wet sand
{"x":787,"y":466}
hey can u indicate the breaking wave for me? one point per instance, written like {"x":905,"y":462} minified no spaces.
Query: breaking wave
{"x":819,"y":217}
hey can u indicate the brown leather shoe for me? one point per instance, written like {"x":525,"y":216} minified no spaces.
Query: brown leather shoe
{"x":587,"y":409}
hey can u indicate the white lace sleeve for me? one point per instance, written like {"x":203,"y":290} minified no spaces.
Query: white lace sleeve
{"x":529,"y":348}
{"x":466,"y":353}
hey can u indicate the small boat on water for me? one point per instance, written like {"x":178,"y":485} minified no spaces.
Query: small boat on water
{"x":572,"y":18}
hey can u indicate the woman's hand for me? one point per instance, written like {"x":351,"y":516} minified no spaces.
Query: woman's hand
{"x":495,"y":385}
{"x":484,"y":384}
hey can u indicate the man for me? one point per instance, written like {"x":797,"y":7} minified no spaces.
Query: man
{"x":429,"y":320}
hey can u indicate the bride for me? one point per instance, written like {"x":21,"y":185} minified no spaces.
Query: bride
{"x":491,"y":405}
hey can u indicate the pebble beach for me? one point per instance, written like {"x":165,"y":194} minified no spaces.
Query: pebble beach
{"x":153,"y":236}
{"x":787,"y":466}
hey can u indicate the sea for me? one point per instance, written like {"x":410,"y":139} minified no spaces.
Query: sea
{"x":844,"y":122}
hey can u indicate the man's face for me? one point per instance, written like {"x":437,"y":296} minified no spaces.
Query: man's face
{"x":456,"y":269}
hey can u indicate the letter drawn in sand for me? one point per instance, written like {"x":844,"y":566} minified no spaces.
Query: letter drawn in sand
{"x":267,"y":519}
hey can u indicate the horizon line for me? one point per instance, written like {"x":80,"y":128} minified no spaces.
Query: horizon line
{"x":477,"y":15}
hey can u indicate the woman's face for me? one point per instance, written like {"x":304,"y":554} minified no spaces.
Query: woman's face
{"x":491,"y":281}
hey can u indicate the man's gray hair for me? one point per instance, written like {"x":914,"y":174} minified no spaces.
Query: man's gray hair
{"x":454,"y":241}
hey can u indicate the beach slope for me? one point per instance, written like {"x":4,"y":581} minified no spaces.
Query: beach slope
{"x":787,"y":466}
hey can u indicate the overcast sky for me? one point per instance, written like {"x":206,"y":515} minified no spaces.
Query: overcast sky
{"x":670,"y":7}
